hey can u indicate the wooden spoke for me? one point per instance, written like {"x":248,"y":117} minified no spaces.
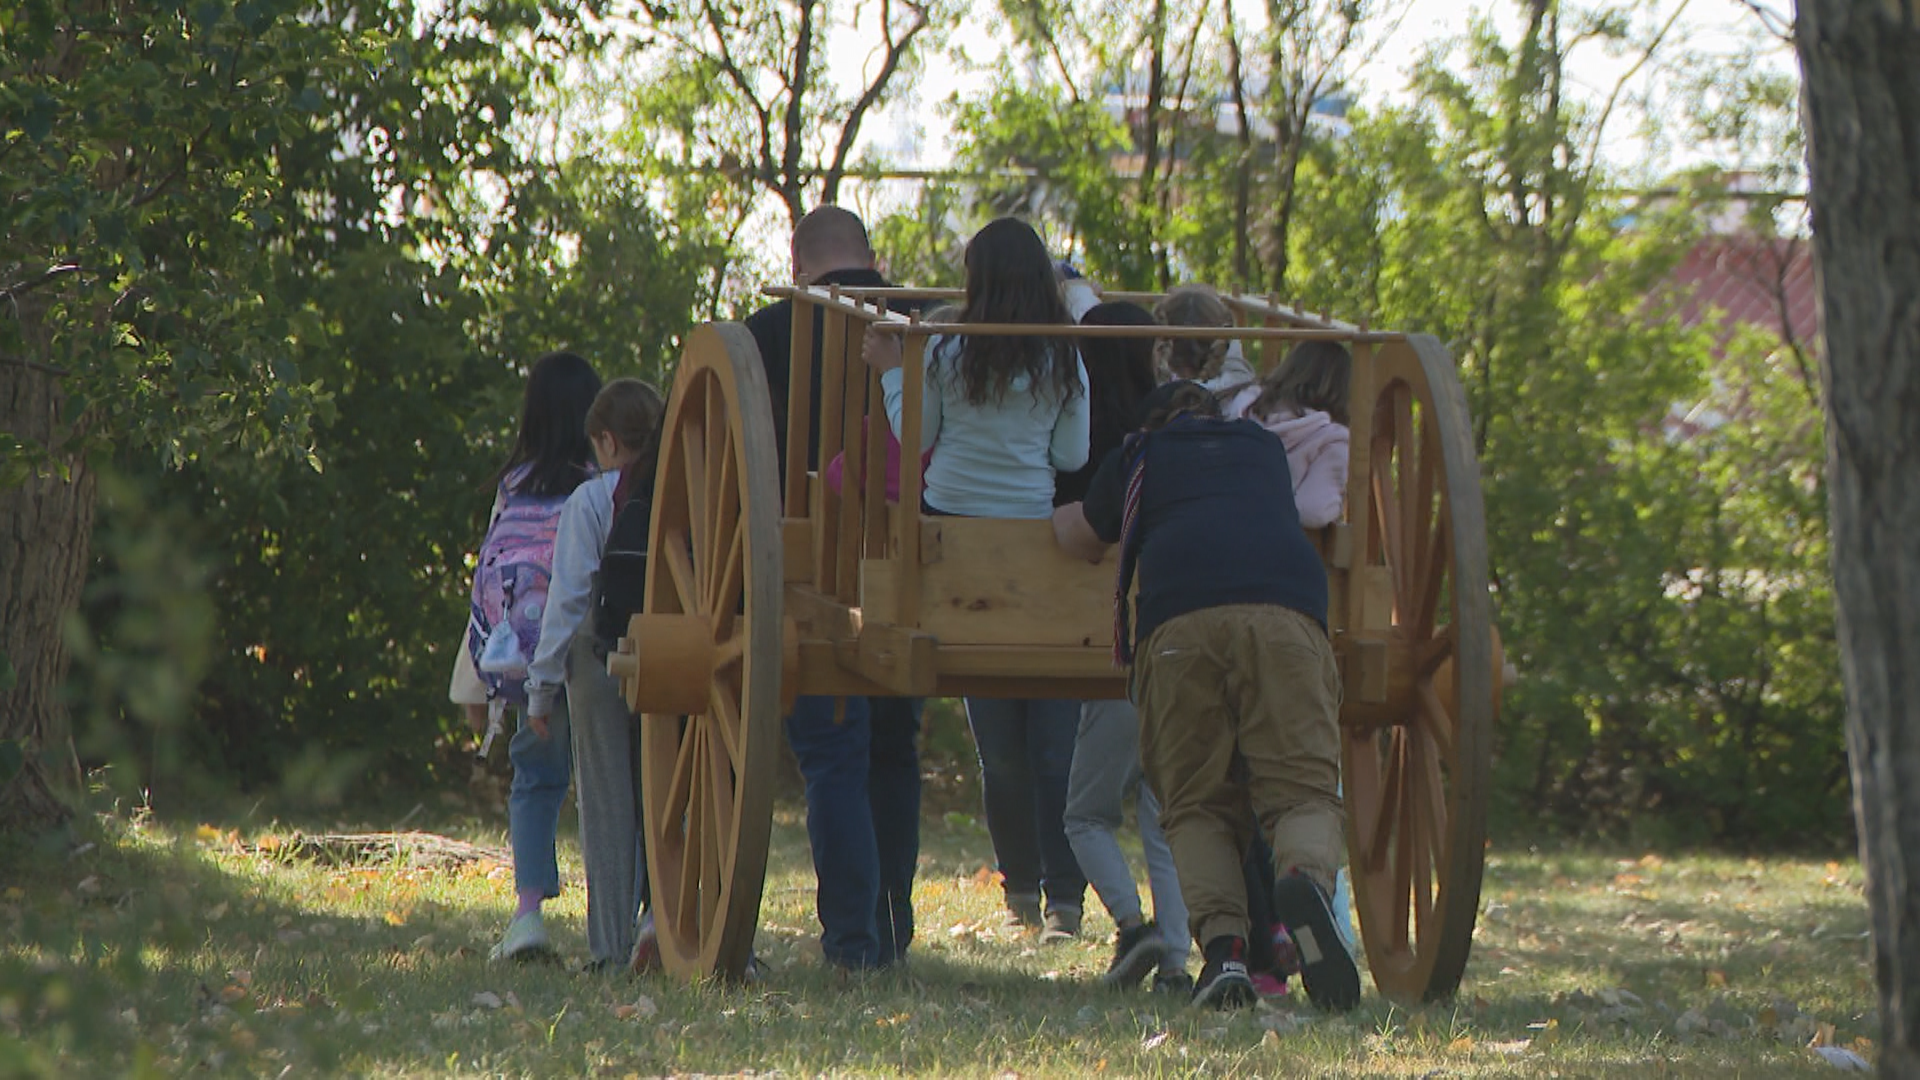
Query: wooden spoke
{"x":694,"y":462}
{"x":681,"y":779}
{"x":1433,"y":719}
{"x":1388,"y":510}
{"x":1433,"y":580}
{"x":729,"y":652}
{"x":694,"y":850}
{"x":1390,"y":800}
{"x":679,"y":564}
{"x":1407,"y":442}
{"x":723,"y":593}
{"x":724,"y":716}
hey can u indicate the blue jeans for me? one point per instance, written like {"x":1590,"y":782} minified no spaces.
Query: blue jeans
{"x":893,"y":793}
{"x":1026,"y":758}
{"x":834,"y":761}
{"x":542,"y":769}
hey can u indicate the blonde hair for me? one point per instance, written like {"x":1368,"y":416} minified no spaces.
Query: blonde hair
{"x":630,"y":410}
{"x":1192,"y":358}
{"x":1314,"y":375}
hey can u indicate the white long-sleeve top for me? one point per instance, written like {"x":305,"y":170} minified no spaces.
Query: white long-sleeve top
{"x":586,"y":519}
{"x":997,"y":459}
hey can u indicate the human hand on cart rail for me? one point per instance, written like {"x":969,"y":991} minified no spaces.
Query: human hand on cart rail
{"x":881,"y":351}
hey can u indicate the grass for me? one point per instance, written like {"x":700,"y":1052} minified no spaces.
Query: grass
{"x":164,"y":949}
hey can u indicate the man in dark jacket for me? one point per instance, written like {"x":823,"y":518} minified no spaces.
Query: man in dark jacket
{"x":862,"y":771}
{"x":1234,"y":677}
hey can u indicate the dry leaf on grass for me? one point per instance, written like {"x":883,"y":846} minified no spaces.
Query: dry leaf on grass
{"x":1842,"y":1058}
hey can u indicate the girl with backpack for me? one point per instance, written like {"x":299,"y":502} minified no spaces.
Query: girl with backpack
{"x":551,"y":458}
{"x":599,"y":567}
{"x":1003,"y":415}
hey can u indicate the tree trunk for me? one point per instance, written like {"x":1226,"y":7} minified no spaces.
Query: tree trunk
{"x":45,"y":527}
{"x":1862,"y":108}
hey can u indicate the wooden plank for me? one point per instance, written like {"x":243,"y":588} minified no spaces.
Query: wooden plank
{"x":902,"y":660}
{"x":1365,"y":377}
{"x":1025,"y":661}
{"x":849,"y":536}
{"x":799,"y":405}
{"x":826,"y":529}
{"x":1375,"y":613}
{"x":1364,"y":669}
{"x":796,"y":548}
{"x":906,"y":608}
{"x":819,"y":617}
{"x":998,"y":582}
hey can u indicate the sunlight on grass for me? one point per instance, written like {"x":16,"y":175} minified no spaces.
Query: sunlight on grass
{"x":162,"y":952}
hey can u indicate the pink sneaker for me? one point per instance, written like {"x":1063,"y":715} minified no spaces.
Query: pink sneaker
{"x":1267,"y":986}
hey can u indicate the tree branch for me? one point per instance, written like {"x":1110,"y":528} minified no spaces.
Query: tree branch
{"x":35,"y":365}
{"x":19,"y":289}
{"x":896,"y":51}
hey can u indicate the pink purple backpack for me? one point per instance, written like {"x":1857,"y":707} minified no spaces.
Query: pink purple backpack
{"x":510,"y":589}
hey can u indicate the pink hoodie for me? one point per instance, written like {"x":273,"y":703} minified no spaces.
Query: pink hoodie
{"x":1316,"y":455}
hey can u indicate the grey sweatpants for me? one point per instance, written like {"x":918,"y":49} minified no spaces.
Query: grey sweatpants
{"x":606,"y":781}
{"x":1106,"y":769}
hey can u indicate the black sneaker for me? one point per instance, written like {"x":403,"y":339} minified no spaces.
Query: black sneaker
{"x":1224,"y":982}
{"x":1326,"y":967}
{"x":1176,"y":983}
{"x":1136,"y":951}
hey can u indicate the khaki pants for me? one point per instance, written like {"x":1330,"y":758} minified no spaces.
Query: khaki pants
{"x":1250,"y":687}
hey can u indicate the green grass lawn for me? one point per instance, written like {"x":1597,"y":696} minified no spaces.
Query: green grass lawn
{"x":171,"y":949}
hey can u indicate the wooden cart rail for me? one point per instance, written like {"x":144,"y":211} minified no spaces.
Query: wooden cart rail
{"x":766,"y":585}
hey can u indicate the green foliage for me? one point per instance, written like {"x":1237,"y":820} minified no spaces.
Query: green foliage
{"x":1662,"y":585}
{"x":326,"y":258}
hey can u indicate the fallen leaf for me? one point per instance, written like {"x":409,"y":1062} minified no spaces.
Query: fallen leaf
{"x":487,"y":999}
{"x":1155,"y":1040}
{"x":1461,"y":1045}
{"x":1842,"y":1058}
{"x":395,"y":918}
{"x":1822,"y":1036}
{"x":1716,"y":978}
{"x":217,"y":912}
{"x":1545,"y":1033}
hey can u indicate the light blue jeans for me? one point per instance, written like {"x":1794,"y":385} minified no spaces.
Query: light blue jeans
{"x":1106,"y":769}
{"x":542,"y":769}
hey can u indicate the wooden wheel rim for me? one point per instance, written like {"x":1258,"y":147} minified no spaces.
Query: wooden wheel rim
{"x":1416,"y":789}
{"x":715,"y":552}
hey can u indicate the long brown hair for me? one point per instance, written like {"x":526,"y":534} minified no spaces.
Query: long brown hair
{"x":1314,"y":375}
{"x":1011,"y":280}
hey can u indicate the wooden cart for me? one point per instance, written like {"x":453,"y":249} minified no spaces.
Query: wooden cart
{"x":763,"y":586}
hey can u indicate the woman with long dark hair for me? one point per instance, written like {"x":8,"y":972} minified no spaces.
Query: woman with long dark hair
{"x":1003,"y":413}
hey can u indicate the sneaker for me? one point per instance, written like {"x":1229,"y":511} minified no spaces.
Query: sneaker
{"x":1136,"y":951}
{"x":1286,"y":955}
{"x":1174,"y":982}
{"x":1023,"y":910}
{"x":1062,"y":923}
{"x":525,"y":939}
{"x":645,"y":958}
{"x":1326,"y":967}
{"x":1267,"y":986}
{"x":1224,"y":982}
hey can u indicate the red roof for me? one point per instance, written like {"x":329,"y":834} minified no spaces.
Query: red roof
{"x":1757,"y":280}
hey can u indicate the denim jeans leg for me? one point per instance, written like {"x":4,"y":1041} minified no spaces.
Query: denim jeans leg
{"x":1169,"y":909}
{"x":833,"y":760}
{"x":893,"y":791}
{"x":1106,"y":762}
{"x":1052,"y":726}
{"x":542,"y":769}
{"x":1006,"y":787}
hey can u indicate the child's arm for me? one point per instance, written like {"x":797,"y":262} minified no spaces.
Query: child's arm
{"x":1075,"y":534}
{"x":584,"y":522}
{"x":1073,"y":428}
{"x":1323,"y":490}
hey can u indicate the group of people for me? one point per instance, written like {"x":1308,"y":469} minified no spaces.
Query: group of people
{"x":1204,"y":475}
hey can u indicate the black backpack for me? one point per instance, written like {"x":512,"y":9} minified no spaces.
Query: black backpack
{"x":620,"y":587}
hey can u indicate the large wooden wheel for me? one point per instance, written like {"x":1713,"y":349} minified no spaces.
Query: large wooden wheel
{"x":1416,"y":771}
{"x":707,"y":657}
